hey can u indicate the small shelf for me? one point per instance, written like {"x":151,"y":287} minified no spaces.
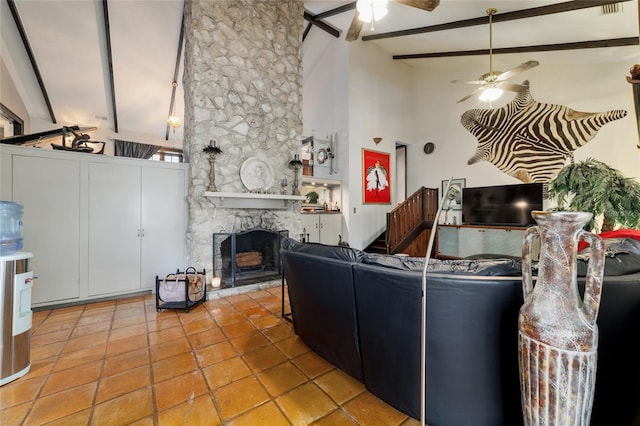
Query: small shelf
{"x":250,"y":200}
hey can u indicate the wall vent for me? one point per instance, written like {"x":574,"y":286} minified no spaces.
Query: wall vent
{"x":608,"y":9}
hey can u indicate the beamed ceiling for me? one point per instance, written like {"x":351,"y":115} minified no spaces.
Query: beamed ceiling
{"x":111,"y":63}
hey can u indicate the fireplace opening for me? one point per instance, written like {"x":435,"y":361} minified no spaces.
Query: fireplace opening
{"x":247,"y":257}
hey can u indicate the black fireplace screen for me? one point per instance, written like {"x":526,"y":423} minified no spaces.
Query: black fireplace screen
{"x":247,"y":257}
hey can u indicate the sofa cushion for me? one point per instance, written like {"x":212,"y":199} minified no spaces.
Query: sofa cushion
{"x":487,"y":267}
{"x":622,"y":257}
{"x":332,"y":252}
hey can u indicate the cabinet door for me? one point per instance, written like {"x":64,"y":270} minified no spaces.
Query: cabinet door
{"x":114,"y":228}
{"x":49,"y":190}
{"x":311,"y":225}
{"x":503,"y":241}
{"x":330,"y":228}
{"x":448,"y":241}
{"x":470,"y":241}
{"x":163,"y":223}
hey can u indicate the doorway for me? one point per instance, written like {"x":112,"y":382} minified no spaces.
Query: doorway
{"x":401,"y":172}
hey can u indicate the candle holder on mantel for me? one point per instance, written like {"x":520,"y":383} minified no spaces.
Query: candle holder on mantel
{"x":295,"y":164}
{"x":212,"y":150}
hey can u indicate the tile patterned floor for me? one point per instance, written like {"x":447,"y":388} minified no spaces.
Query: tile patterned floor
{"x":231,"y":361}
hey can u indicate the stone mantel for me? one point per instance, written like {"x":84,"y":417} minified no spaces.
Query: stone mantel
{"x":250,"y":200}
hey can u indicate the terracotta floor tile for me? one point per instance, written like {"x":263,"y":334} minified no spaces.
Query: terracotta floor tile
{"x":39,"y":368}
{"x":19,"y":391}
{"x":200,"y":411}
{"x":281,"y":378}
{"x":366,"y":409}
{"x":250,"y":342}
{"x":163,"y":322}
{"x":129,"y":321}
{"x":49,"y":338}
{"x":173,"y":366}
{"x":238,"y":329}
{"x":240,"y":396}
{"x":179,"y":389}
{"x":264,"y":358}
{"x":46,"y":351}
{"x":85,"y":330}
{"x":99,"y":338}
{"x":125,"y":409}
{"x":132,"y":330}
{"x":265,"y":415}
{"x":263,"y":323}
{"x":411,"y":422}
{"x":339,"y":385}
{"x":61,"y":404}
{"x":81,"y":418}
{"x":125,"y":361}
{"x":196,"y":314}
{"x":206,"y":338}
{"x":312,"y":364}
{"x":215,"y":353}
{"x":255,"y":312}
{"x":200,"y":325}
{"x":164,"y":335}
{"x":225,"y":372}
{"x":237,"y":298}
{"x":126,"y":344}
{"x":279,"y":332}
{"x":292,"y":347}
{"x":14,"y":415}
{"x":73,"y":359}
{"x":72,"y":377}
{"x":170,"y":348}
{"x":120,"y":384}
{"x":336,"y":418}
{"x":305,"y":404}
{"x":226,"y":316}
{"x":50,"y":327}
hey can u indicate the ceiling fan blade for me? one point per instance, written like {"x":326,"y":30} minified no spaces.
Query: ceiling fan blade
{"x":512,"y":87}
{"x":469,"y":81}
{"x":427,"y":5}
{"x":354,"y":28}
{"x":472,"y":94}
{"x":517,"y":70}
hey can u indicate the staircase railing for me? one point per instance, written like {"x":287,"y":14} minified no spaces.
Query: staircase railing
{"x":409,"y":218}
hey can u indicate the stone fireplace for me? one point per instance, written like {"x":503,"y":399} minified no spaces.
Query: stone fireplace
{"x":243,"y":89}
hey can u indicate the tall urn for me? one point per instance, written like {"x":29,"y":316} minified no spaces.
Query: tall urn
{"x":558,"y":335}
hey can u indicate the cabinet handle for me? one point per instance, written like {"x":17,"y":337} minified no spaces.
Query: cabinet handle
{"x":316,"y":226}
{"x":140,"y":232}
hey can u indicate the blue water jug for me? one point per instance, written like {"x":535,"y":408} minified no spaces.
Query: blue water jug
{"x":10,"y":227}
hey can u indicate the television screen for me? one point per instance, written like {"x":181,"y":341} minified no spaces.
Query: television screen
{"x":507,"y":205}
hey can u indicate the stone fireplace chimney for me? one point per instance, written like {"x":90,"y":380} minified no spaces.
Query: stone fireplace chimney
{"x":243,"y":89}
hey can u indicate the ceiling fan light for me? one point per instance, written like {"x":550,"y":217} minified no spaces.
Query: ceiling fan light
{"x":371,"y":10}
{"x":490,"y":94}
{"x":174,"y":121}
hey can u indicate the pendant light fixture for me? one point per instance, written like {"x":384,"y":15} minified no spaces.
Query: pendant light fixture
{"x":174,"y":121}
{"x":371,"y":10}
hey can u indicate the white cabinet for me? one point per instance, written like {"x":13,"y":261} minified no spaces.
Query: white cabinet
{"x":322,"y":228}
{"x":49,"y":190}
{"x":98,"y":226}
{"x":136,"y":226}
{"x":462,"y":241}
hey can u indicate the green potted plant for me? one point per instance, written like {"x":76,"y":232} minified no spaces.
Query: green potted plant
{"x":312,"y":197}
{"x":592,"y":186}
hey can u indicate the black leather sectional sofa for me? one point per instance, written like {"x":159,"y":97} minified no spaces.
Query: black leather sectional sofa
{"x":362,"y":312}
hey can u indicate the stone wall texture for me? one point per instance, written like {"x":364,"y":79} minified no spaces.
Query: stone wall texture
{"x":243,"y":89}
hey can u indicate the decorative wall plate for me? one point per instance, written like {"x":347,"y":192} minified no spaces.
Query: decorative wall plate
{"x":256,"y":174}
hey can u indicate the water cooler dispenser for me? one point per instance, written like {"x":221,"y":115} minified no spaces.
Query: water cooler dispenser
{"x":16,"y":278}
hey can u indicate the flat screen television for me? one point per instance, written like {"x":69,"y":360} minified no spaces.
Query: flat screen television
{"x":504,"y":205}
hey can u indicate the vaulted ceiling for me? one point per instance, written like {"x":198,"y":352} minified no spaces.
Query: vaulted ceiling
{"x":71,"y":45}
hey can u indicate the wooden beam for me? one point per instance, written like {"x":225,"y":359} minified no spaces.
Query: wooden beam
{"x":628,"y":41}
{"x":112,"y":86}
{"x":306,"y":31}
{"x":501,"y":17}
{"x":32,"y":58}
{"x":321,"y":24}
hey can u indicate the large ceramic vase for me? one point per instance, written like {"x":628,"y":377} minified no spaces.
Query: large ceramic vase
{"x":558,"y":335}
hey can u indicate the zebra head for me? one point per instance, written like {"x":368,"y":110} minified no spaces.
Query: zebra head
{"x":477,"y":122}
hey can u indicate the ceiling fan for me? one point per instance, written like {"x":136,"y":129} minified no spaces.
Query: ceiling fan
{"x":493,"y":83}
{"x":374,"y":10}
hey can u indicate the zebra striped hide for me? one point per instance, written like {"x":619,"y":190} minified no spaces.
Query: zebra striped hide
{"x":529,"y":140}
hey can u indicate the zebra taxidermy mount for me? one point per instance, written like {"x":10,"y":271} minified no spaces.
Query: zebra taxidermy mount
{"x":529,"y":140}
{"x":493,"y":83}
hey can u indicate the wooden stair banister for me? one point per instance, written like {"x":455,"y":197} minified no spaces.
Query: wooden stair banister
{"x":410,"y":218}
